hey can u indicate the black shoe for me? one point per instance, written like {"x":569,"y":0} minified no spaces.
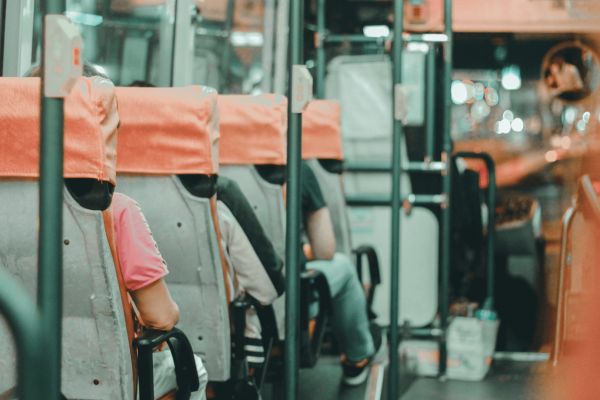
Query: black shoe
{"x":356,"y":374}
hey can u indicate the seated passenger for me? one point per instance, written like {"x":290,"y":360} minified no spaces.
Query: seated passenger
{"x":359,"y":341}
{"x":246,"y":258}
{"x":143,"y":270}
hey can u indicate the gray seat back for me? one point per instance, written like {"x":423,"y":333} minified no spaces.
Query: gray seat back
{"x":150,"y":156}
{"x":182,"y":225}
{"x":269,"y":205}
{"x":96,"y":360}
{"x":266,"y":200}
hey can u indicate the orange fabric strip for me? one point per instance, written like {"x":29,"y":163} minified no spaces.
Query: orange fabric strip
{"x":90,"y":139}
{"x":109,"y":227}
{"x":213,"y":209}
{"x":321,"y":134}
{"x":253,"y":129}
{"x":168,"y":131}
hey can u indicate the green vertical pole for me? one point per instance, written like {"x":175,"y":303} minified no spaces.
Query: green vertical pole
{"x":430,"y":102}
{"x":294,"y":179}
{"x":394,"y":376}
{"x":50,"y":222}
{"x":447,"y":150}
{"x":321,"y":49}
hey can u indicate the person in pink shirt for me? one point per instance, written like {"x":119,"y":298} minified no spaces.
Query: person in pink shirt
{"x":143,"y":270}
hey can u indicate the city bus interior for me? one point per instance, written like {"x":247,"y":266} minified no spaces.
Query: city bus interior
{"x":455,"y":143}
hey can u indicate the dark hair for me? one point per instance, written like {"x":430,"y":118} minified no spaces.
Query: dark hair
{"x":89,"y":70}
{"x":141,"y":84}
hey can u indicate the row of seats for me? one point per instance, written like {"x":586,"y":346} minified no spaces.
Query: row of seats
{"x":171,"y":143}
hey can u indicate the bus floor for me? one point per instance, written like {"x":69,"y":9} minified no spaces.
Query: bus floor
{"x":507,"y":380}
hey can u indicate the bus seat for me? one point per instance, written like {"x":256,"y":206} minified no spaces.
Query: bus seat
{"x":155,"y":149}
{"x":362,"y":85}
{"x":322,"y":149}
{"x":579,"y":276}
{"x":253,"y":153}
{"x":96,"y":359}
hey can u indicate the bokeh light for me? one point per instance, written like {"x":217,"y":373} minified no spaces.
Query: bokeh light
{"x":459,"y":92}
{"x":491,"y":96}
{"x":508,"y":115}
{"x":565,"y":142}
{"x":517,"y":125}
{"x":551,"y":156}
{"x":511,"y":78}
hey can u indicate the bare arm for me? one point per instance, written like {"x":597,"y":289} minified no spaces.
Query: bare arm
{"x":320,"y":234}
{"x":156,"y":307}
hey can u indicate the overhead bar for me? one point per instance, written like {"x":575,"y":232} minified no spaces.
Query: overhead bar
{"x":407,"y":37}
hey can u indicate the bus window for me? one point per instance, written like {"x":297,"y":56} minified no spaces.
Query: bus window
{"x":127,"y":40}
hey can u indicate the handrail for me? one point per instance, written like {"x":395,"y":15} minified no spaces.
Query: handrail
{"x":590,"y":195}
{"x":51,"y":182}
{"x":24,"y":320}
{"x":293,"y":211}
{"x":491,"y":166}
{"x":398,"y":44}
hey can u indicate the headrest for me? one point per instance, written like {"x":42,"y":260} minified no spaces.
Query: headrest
{"x":168,"y":131}
{"x":321,"y":136}
{"x":91,"y":122}
{"x":253,"y":129}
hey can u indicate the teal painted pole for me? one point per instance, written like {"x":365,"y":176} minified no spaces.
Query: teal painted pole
{"x":321,"y":61}
{"x":394,"y":376}
{"x":430,"y":127}
{"x":293,"y":216}
{"x":50,"y":234}
{"x":447,"y":151}
{"x":23,"y":318}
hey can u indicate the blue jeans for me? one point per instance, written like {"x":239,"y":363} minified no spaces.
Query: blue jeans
{"x":350,"y":321}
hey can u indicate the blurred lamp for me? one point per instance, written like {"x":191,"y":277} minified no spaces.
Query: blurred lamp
{"x":517,"y":125}
{"x":459,"y":92}
{"x":511,"y":78}
{"x":376,"y":31}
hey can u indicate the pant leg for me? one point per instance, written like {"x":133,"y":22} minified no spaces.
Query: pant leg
{"x":350,"y":320}
{"x":164,"y":375}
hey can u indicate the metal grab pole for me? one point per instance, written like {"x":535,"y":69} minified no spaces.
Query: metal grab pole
{"x":50,"y":234}
{"x":24,"y":320}
{"x":320,"y":44}
{"x":394,"y":376}
{"x":294,"y":179}
{"x":430,"y":127}
{"x":447,"y":150}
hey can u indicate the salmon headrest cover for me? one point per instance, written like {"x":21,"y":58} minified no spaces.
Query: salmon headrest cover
{"x":168,"y":131}
{"x":90,"y":129}
{"x":253,"y":129}
{"x":321,"y":134}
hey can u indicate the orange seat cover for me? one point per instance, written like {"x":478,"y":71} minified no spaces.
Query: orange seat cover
{"x":90,"y":138}
{"x":253,"y":129}
{"x":321,"y":135}
{"x":167,"y":131}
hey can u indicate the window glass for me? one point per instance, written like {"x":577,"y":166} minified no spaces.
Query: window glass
{"x":127,"y":39}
